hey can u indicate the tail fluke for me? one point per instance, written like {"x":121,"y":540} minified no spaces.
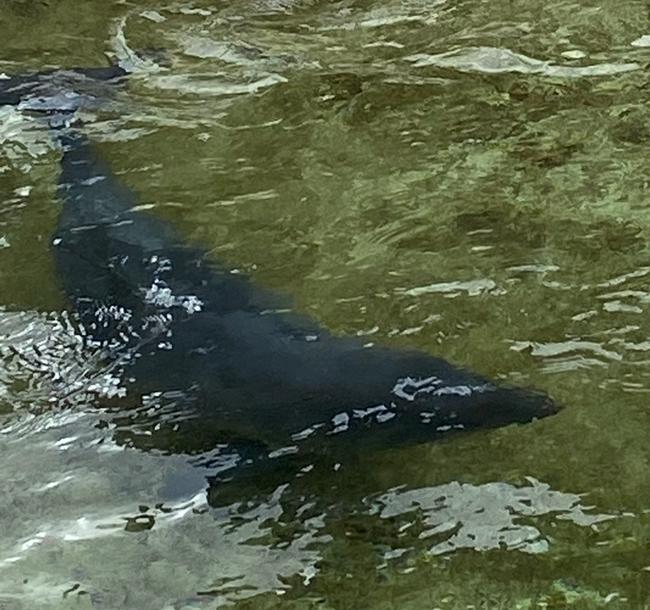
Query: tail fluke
{"x":60,"y":90}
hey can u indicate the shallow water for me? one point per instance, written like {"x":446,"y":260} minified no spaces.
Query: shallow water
{"x":464,"y":178}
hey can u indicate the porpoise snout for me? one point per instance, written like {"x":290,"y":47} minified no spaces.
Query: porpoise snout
{"x":519,"y":405}
{"x":487,"y":406}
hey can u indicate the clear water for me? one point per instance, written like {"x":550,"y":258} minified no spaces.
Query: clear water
{"x":465,"y":178}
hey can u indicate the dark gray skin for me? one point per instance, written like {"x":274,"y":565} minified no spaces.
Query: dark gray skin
{"x":237,"y":377}
{"x":59,"y":90}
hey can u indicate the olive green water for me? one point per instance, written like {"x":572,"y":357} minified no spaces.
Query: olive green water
{"x":466,"y":178}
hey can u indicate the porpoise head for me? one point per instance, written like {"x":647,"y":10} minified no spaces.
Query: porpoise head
{"x":470,"y":403}
{"x":425,"y":397}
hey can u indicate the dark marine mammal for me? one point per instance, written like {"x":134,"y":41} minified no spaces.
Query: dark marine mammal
{"x":59,"y":90}
{"x":66,"y":90}
{"x":214,"y":362}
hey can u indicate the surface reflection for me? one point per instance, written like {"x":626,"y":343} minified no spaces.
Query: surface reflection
{"x":462,"y":179}
{"x":235,"y":551}
{"x":484,"y":517}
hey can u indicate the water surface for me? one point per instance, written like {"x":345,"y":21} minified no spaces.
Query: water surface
{"x":465,"y":178}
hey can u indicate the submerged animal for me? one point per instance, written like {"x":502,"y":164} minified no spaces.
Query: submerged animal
{"x":213,"y":362}
{"x":59,"y":90}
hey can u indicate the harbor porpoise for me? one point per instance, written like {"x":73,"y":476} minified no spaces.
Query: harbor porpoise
{"x":59,"y":90}
{"x":210,"y":360}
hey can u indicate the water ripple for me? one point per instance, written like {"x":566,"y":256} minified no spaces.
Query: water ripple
{"x":483,"y":517}
{"x":494,"y":60}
